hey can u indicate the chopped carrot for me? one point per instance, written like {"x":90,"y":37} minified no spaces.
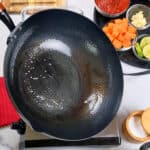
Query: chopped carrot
{"x":117,"y":44}
{"x":123,"y":28}
{"x":118,"y":21}
{"x":121,"y":38}
{"x":107,"y":30}
{"x":115,"y":32}
{"x":131,"y":29}
{"x":110,"y":37}
{"x":111,"y":25}
{"x":125,"y":20}
{"x":127,"y":36}
{"x":133,"y":36}
{"x":120,"y":33}
{"x":126,"y":43}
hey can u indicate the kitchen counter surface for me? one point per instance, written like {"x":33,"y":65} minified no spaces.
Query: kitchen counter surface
{"x":135,"y":97}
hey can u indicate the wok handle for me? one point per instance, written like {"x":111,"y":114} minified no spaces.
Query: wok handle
{"x":5,"y":18}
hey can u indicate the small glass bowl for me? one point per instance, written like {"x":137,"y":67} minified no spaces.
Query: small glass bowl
{"x":138,"y":39}
{"x":136,"y":8}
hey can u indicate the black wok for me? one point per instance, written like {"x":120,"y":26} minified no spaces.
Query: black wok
{"x":62,"y":74}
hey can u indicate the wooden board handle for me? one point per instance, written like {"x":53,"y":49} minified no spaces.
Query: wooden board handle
{"x":16,"y":6}
{"x":31,"y":1}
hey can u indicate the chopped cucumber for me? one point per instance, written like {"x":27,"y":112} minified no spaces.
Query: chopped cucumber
{"x":138,"y":50}
{"x":145,"y":41}
{"x":146,"y":51}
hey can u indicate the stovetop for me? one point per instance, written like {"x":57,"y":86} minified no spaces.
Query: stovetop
{"x":110,"y":136}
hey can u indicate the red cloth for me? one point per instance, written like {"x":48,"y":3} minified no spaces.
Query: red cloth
{"x":8,"y":113}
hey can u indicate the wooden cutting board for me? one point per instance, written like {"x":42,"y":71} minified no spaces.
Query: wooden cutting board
{"x":15,"y":6}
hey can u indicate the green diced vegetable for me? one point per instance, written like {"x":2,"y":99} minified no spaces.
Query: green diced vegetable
{"x":146,"y":51}
{"x":145,"y":41}
{"x":139,"y":50}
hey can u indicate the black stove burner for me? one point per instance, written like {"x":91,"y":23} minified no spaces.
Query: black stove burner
{"x":126,"y":56}
{"x":20,"y":126}
{"x":99,"y":141}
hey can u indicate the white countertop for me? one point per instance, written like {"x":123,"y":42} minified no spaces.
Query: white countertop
{"x":135,"y":96}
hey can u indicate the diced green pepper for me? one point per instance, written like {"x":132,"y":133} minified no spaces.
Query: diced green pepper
{"x":139,"y":50}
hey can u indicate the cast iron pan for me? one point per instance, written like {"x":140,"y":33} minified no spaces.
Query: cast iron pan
{"x":62,"y":74}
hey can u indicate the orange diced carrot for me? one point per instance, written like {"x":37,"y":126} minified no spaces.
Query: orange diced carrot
{"x":118,"y":21}
{"x":115,"y":32}
{"x":122,"y":28}
{"x":125,"y":20}
{"x":133,"y":36}
{"x":132,"y":29}
{"x":107,"y":29}
{"x":110,"y":37}
{"x":126,"y":43}
{"x":127,"y":36}
{"x":121,"y":38}
{"x":117,"y":44}
{"x":111,"y":25}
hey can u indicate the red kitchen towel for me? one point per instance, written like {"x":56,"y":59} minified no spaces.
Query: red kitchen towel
{"x":8,"y":113}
